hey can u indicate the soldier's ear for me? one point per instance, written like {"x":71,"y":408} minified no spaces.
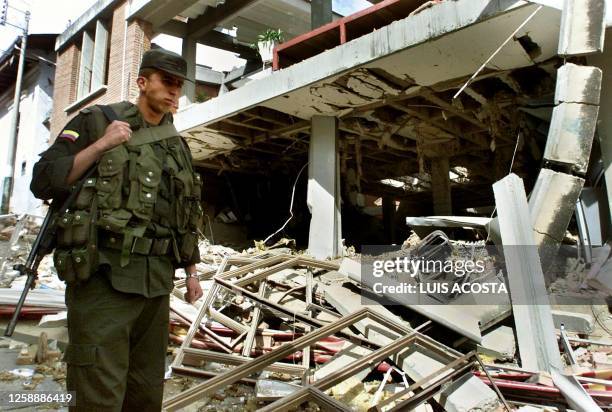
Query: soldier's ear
{"x":141,"y":81}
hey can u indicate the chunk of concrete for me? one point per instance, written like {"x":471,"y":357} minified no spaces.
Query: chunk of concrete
{"x":469,"y":394}
{"x":570,"y":136}
{"x":551,"y":210}
{"x":346,"y":302}
{"x":582,"y":27}
{"x":578,"y":84}
{"x":349,"y":354}
{"x":499,"y":344}
{"x":54,"y":320}
{"x":574,"y":322}
{"x":466,"y":394}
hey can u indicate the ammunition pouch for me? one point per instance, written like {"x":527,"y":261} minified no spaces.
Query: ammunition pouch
{"x":62,"y":260}
{"x":110,"y":177}
{"x":145,"y":177}
{"x":76,"y":264}
{"x":115,"y":220}
{"x":86,"y":195}
{"x":76,"y":256}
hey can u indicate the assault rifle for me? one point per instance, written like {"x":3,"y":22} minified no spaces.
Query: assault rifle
{"x":43,"y":245}
{"x":45,"y":241}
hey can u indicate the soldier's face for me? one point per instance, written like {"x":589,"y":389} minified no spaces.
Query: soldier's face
{"x":161,"y":91}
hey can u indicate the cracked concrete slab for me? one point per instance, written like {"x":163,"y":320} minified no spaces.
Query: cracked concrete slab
{"x":208,"y":143}
{"x":532,"y":316}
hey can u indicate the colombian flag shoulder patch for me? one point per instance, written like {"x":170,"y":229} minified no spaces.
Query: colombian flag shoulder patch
{"x":69,"y":134}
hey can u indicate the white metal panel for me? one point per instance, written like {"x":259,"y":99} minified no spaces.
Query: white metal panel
{"x":99,"y":56}
{"x":85,"y":66}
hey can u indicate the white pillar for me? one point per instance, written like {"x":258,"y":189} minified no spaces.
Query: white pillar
{"x":324,"y":189}
{"x":189,"y":54}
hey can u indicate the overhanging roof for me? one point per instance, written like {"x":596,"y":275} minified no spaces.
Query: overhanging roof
{"x":252,"y":17}
{"x":447,"y":41}
{"x":37,"y":44}
{"x":392,"y":91}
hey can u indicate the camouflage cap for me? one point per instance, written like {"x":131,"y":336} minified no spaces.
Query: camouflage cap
{"x":165,"y":60}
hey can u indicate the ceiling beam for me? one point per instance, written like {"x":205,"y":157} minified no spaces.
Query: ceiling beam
{"x":159,"y":12}
{"x":213,"y":38}
{"x":214,"y":16}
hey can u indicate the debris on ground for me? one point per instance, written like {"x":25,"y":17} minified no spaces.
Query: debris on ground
{"x":272,"y":329}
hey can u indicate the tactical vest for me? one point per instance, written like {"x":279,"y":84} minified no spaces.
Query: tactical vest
{"x":144,"y":197}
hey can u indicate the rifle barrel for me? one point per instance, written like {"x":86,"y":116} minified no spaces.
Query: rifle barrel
{"x":10,"y":328}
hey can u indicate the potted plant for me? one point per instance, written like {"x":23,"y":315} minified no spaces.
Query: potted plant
{"x":266,"y":42}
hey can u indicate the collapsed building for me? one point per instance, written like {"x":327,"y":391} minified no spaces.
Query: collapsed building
{"x":376,"y":118}
{"x":409,"y":115}
{"x":369,"y":101}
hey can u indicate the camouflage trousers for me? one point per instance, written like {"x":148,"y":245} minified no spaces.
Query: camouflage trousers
{"x":117,"y":348}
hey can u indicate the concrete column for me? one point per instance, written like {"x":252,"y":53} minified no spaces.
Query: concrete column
{"x":324,"y":189}
{"x":189,"y":54}
{"x":320,"y":13}
{"x":388,"y":209}
{"x":440,"y":186}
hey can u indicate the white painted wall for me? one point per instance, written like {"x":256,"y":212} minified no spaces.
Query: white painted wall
{"x":33,"y":137}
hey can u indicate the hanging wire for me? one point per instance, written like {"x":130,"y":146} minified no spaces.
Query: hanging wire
{"x":290,"y":205}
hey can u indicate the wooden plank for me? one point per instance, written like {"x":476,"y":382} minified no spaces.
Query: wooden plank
{"x":534,"y":323}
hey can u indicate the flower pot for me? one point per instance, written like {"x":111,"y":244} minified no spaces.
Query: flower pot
{"x":266,"y":50}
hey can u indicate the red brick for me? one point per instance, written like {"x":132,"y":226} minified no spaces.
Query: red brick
{"x":123,"y":62}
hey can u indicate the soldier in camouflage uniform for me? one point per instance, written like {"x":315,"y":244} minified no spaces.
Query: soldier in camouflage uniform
{"x":135,"y":220}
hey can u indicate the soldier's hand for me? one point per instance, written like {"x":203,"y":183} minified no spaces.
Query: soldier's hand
{"x":116,"y":133}
{"x":194,"y":290}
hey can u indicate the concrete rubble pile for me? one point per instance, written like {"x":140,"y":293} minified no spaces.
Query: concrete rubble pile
{"x":309,"y":332}
{"x":284,"y":330}
{"x":277,"y":329}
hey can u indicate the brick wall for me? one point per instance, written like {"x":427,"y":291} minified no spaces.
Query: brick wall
{"x":122,"y":70}
{"x":65,"y":86}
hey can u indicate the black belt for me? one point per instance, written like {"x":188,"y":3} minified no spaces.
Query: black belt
{"x":140,"y":245}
